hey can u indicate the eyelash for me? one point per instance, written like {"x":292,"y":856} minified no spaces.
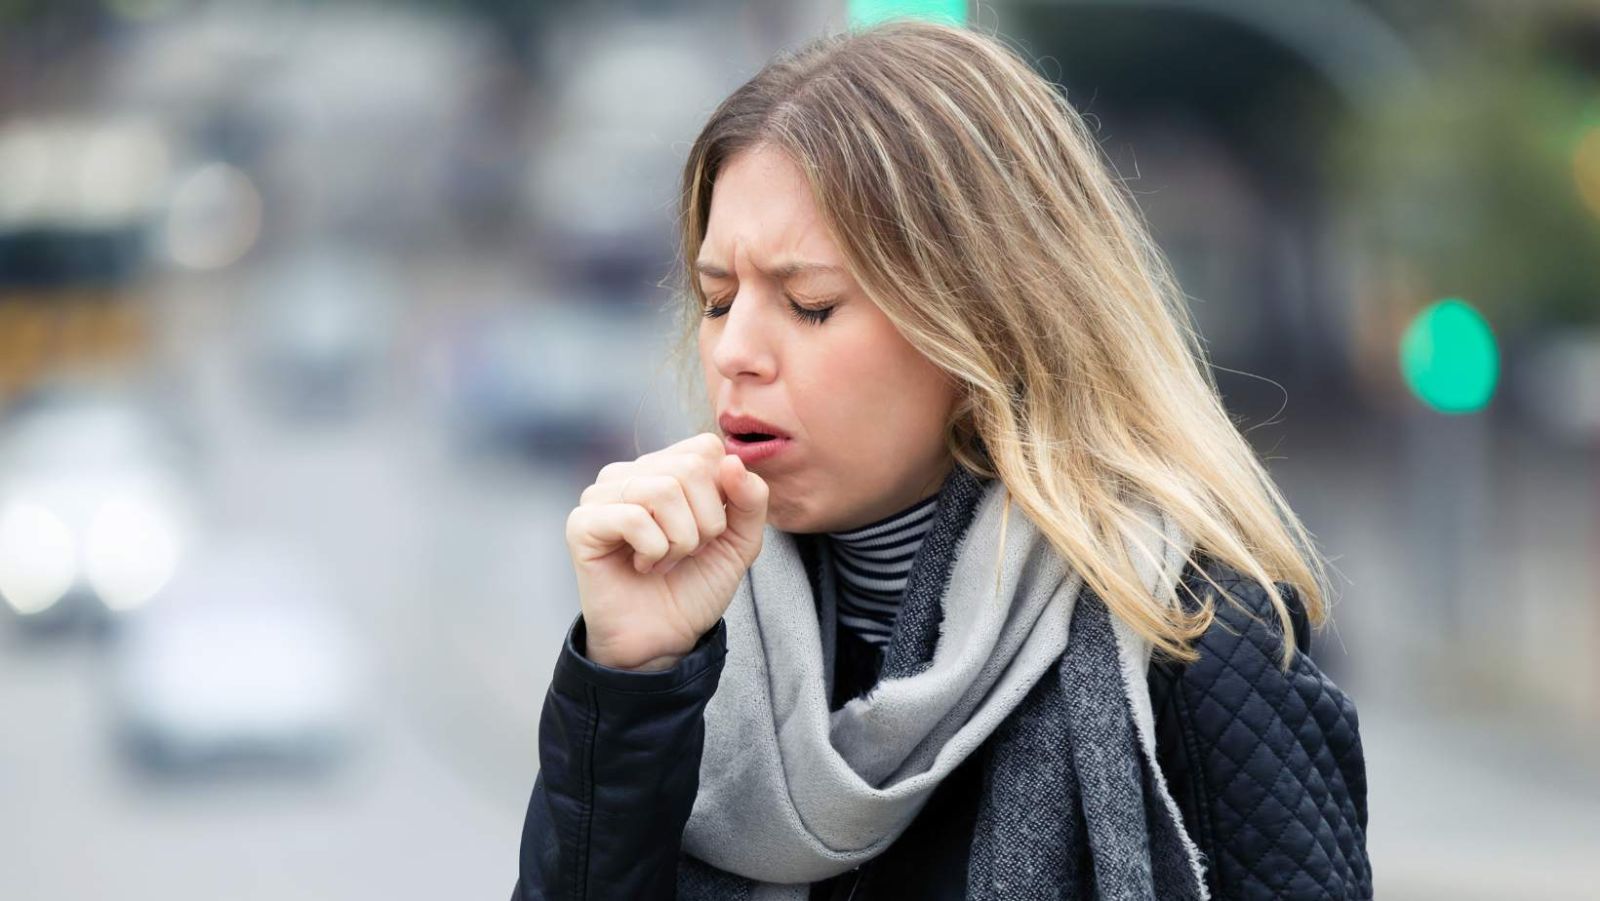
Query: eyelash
{"x":801,"y":314}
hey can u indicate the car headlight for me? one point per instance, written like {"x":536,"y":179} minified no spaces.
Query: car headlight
{"x":38,"y":559}
{"x":130,"y":551}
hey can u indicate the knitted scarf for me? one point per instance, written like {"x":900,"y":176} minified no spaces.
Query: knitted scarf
{"x":998,"y":641}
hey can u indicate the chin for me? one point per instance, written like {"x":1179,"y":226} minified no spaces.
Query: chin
{"x":795,"y":518}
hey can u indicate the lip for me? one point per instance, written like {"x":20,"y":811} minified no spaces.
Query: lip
{"x":752,"y":452}
{"x":738,"y":424}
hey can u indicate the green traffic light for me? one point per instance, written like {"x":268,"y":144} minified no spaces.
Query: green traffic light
{"x":1449,"y":357}
{"x":869,"y":12}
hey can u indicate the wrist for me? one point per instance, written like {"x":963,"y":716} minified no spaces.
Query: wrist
{"x":627,"y":655}
{"x":576,"y":667}
{"x":657,"y":664}
{"x":653,"y":665}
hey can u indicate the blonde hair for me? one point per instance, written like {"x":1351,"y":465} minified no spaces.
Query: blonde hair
{"x":972,"y":205}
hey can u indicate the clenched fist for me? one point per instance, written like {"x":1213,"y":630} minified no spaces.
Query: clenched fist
{"x":659,"y":545}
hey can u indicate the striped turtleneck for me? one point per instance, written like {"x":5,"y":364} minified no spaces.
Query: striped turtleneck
{"x":873,"y":563}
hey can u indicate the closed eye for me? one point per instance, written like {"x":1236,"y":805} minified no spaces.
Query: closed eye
{"x":812,"y":315}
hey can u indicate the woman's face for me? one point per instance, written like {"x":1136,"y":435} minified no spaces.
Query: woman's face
{"x":792,"y":341}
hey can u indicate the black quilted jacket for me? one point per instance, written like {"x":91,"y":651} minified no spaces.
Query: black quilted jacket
{"x":1266,"y":767}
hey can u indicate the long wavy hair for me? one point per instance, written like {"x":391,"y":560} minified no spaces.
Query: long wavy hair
{"x":973,"y":206}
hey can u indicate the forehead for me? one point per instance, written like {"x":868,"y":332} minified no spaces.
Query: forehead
{"x":762,"y":207}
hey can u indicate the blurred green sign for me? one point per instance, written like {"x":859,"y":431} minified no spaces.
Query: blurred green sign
{"x":869,"y":12}
{"x":1449,"y":357}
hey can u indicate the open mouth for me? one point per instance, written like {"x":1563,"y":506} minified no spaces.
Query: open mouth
{"x":756,"y":448}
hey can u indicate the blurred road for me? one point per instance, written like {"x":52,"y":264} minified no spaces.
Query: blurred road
{"x":452,"y":576}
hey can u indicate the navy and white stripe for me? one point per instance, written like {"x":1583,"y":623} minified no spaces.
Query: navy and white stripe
{"x":873,"y":563}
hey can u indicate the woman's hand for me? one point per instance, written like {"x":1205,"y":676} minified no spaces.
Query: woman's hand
{"x":657,"y":554}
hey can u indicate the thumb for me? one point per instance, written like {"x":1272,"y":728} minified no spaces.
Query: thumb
{"x":747,"y":500}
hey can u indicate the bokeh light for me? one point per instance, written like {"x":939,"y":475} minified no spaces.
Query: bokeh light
{"x":1450,"y":358}
{"x":38,"y":557}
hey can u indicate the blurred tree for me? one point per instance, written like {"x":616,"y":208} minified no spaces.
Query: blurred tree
{"x":1473,"y":176}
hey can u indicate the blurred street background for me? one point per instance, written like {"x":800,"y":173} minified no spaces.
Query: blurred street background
{"x":315,"y":318}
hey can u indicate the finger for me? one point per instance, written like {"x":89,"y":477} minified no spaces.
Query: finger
{"x":711,"y":445}
{"x":603,"y":491}
{"x":598,"y":530}
{"x":616,"y":472}
{"x":701,"y":487}
{"x":662,"y":495}
{"x":747,"y":500}
{"x":702,"y":444}
{"x":708,"y":446}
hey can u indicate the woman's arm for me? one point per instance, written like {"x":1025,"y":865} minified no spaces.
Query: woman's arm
{"x":619,"y":766}
{"x":1267,"y":767}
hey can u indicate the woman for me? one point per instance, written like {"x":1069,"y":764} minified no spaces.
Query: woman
{"x":970,"y":588}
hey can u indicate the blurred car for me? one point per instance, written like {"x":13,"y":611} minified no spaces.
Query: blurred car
{"x":559,"y":380}
{"x":96,"y":503}
{"x":241,"y":662}
{"x":321,"y":327}
{"x":601,"y":182}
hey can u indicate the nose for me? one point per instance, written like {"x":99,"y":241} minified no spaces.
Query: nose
{"x":744,"y":346}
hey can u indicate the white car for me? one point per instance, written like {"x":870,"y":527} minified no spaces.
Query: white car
{"x":242,"y":660}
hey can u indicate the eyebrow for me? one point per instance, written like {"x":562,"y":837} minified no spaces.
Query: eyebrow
{"x":781,"y":273}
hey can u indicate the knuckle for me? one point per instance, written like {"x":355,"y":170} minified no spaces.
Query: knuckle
{"x":663,"y":489}
{"x":672,"y":474}
{"x":576,"y":523}
{"x":647,"y":493}
{"x":696,"y":469}
{"x":707,"y":468}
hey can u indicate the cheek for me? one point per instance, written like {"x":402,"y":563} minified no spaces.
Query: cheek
{"x":874,"y":380}
{"x":839,"y":376}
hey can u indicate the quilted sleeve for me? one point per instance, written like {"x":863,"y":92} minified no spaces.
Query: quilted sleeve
{"x":1266,"y":766}
{"x":619,"y":767}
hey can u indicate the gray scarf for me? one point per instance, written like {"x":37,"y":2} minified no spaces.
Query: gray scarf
{"x":996,"y":641}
